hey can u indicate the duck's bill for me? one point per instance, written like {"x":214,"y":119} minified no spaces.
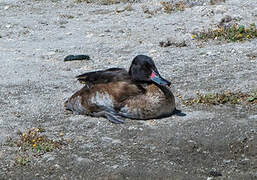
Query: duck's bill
{"x":155,"y":77}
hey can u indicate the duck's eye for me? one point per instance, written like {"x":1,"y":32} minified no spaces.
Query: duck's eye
{"x":147,"y":71}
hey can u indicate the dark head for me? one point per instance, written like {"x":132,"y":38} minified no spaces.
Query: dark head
{"x":143,"y":69}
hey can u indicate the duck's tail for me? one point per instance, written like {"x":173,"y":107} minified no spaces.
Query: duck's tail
{"x":178,"y":112}
{"x":74,"y":104}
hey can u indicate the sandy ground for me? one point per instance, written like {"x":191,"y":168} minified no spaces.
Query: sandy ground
{"x":209,"y":141}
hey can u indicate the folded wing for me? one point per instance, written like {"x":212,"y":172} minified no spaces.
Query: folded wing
{"x":105,"y":76}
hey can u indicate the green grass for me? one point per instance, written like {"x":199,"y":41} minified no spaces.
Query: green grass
{"x":232,"y":33}
{"x":32,"y":144}
{"x":223,"y":98}
{"x":22,"y":160}
{"x":33,"y":140}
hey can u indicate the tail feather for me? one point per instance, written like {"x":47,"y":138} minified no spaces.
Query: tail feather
{"x":178,"y":112}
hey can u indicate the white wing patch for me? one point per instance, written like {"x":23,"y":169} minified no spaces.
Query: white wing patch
{"x":102,"y":99}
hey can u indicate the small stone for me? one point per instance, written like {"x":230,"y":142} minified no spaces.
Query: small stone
{"x":116,"y":141}
{"x":106,"y":139}
{"x":63,"y":22}
{"x":1,"y":154}
{"x":252,"y":55}
{"x":153,"y":51}
{"x":227,"y":161}
{"x":83,"y":160}
{"x":51,"y":53}
{"x":255,"y":12}
{"x":57,"y":166}
{"x":115,"y":166}
{"x":225,"y":19}
{"x":43,"y":22}
{"x":76,"y":57}
{"x":214,"y":173}
{"x":173,"y":42}
{"x":121,"y":31}
{"x":213,"y":2}
{"x":209,"y":53}
{"x":220,"y":9}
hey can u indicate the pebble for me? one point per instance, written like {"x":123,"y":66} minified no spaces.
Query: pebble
{"x":1,"y":154}
{"x":115,"y":166}
{"x":173,"y":42}
{"x":83,"y":160}
{"x":227,"y":161}
{"x":225,"y":19}
{"x":220,"y":9}
{"x":255,"y":12}
{"x":51,"y":53}
{"x":153,"y":51}
{"x":57,"y":166}
{"x":63,"y":22}
{"x":214,"y":173}
{"x":110,"y":140}
{"x":76,"y":57}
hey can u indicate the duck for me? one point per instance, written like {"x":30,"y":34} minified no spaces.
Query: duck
{"x":140,"y":93}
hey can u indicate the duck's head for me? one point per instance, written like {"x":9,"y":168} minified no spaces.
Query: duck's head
{"x":143,"y":69}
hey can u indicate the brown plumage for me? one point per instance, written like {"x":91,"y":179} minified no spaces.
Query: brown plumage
{"x":114,"y":93}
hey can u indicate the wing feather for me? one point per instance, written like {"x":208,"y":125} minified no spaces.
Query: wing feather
{"x":104,"y":76}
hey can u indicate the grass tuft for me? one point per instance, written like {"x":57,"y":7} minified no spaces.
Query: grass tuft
{"x":32,"y":144}
{"x":39,"y":143}
{"x":22,"y":160}
{"x":168,"y":7}
{"x":230,"y":34}
{"x":222,"y":98}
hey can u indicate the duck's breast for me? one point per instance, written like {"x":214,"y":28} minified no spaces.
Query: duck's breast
{"x":153,"y":104}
